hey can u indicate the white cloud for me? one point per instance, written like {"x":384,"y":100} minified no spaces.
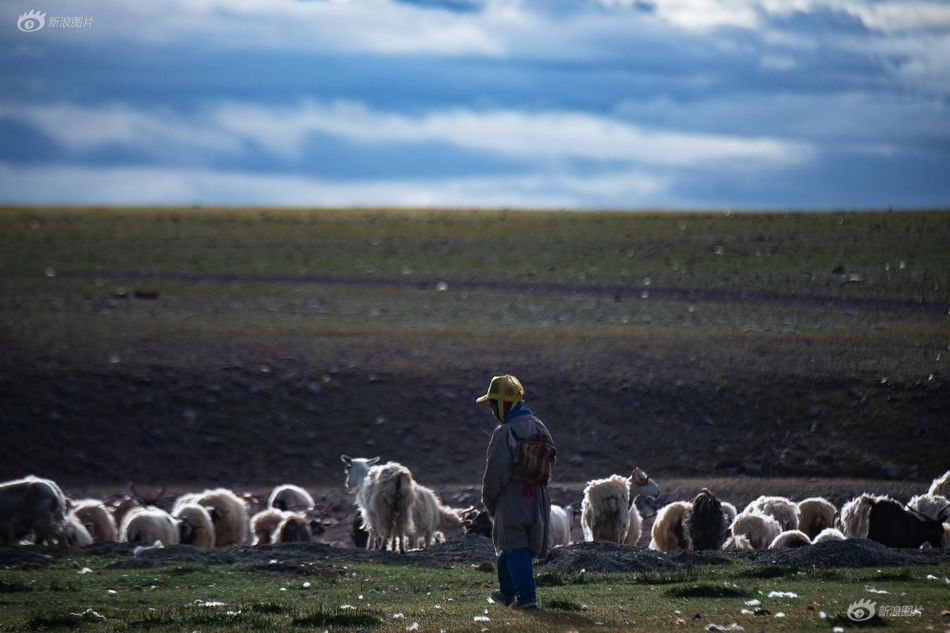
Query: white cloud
{"x":157,"y":133}
{"x":541,"y":137}
{"x":141,"y":186}
{"x":878,"y":15}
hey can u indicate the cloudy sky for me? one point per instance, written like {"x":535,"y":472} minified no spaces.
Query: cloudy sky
{"x":633,"y":104}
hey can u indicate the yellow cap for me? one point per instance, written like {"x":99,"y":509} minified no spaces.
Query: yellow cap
{"x":505,"y":388}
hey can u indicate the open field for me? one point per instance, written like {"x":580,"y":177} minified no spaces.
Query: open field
{"x":795,"y":354}
{"x":252,"y":346}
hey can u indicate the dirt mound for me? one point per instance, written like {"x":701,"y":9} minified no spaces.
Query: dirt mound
{"x":316,"y":558}
{"x":856,"y":552}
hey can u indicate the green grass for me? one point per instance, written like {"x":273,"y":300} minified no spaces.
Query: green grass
{"x":396,"y":598}
{"x":896,"y":255}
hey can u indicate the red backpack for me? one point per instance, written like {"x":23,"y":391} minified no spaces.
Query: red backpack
{"x":534,"y":459}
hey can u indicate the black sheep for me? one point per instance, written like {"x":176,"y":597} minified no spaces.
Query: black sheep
{"x":704,"y":524}
{"x":890,"y":524}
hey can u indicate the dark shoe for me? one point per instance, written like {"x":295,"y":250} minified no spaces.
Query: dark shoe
{"x":498,"y":597}
{"x":525,"y":603}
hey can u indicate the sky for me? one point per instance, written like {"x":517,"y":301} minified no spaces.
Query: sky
{"x":547,"y":104}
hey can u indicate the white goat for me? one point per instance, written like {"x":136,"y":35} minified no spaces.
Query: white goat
{"x":782,"y":509}
{"x":290,"y":497}
{"x":31,"y":505}
{"x":562,"y":519}
{"x":667,"y":533}
{"x":148,"y":525}
{"x":606,"y":508}
{"x":761,"y":529}
{"x":195,"y":525}
{"x":386,"y":499}
{"x":96,"y":518}
{"x":228,"y":513}
{"x":430,"y":518}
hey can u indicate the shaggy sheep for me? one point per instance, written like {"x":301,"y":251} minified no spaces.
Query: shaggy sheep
{"x":75,"y":533}
{"x":290,"y":497}
{"x":829,"y":534}
{"x":667,"y":533}
{"x":815,"y":515}
{"x":705,"y":524}
{"x":195,"y":525}
{"x":264,"y":523}
{"x":635,"y":528}
{"x":761,"y":529}
{"x":783,"y":510}
{"x":228,"y":513}
{"x":737,"y":543}
{"x":562,"y":519}
{"x":853,"y":521}
{"x":790,"y":538}
{"x":148,"y":525}
{"x":941,"y":486}
{"x":606,"y":508}
{"x":31,"y":505}
{"x":96,"y":518}
{"x":430,"y":518}
{"x":385,"y":495}
{"x":935,"y":507}
{"x":605,"y":511}
{"x":293,"y":528}
{"x":884,"y":520}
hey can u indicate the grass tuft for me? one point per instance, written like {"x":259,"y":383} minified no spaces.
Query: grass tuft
{"x":14,"y":586}
{"x":46,"y":621}
{"x":766,"y":572}
{"x":336,"y":617}
{"x":705,"y":590}
{"x":665,"y":578}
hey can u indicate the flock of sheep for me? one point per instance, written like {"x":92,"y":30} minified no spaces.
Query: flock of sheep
{"x":397,"y":513}
{"x":35,"y":510}
{"x":609,"y":514}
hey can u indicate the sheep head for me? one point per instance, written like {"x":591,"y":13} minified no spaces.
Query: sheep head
{"x":641,"y":484}
{"x":356,"y":469}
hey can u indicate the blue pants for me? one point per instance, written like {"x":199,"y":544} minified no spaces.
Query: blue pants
{"x":515,"y":574}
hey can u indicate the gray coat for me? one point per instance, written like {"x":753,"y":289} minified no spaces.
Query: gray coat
{"x":522,"y":512}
